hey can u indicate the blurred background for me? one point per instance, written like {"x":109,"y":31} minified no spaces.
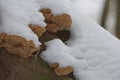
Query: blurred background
{"x":104,"y":12}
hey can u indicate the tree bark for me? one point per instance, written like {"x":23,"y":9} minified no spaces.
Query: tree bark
{"x":105,"y":13}
{"x":16,"y":68}
{"x":118,"y":19}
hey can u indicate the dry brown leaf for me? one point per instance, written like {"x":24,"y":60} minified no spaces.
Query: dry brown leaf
{"x":56,"y":22}
{"x":55,"y":65}
{"x":37,"y":30}
{"x":52,"y":27}
{"x":47,"y":14}
{"x":62,"y":21}
{"x":64,"y":71}
{"x":46,"y":11}
{"x":17,"y":45}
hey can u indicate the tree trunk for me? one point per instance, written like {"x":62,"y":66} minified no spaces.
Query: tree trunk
{"x":105,"y":13}
{"x":118,"y":19}
{"x":16,"y":68}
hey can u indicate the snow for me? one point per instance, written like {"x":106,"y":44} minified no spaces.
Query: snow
{"x":61,"y":8}
{"x":16,"y":15}
{"x":91,"y":8}
{"x":92,"y":51}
